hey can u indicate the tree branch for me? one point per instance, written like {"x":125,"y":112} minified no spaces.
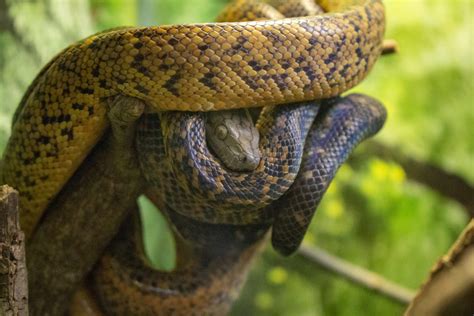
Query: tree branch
{"x":355,"y":274}
{"x":449,"y":289}
{"x":448,"y":184}
{"x":389,"y":47}
{"x":13,"y":274}
{"x":77,"y":227}
{"x":87,"y":213}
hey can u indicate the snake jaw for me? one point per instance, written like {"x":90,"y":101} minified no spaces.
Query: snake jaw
{"x":239,"y":159}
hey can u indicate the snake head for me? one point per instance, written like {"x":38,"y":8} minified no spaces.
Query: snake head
{"x":234,"y":139}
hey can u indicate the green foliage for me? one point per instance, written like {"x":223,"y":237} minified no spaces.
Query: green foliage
{"x":113,"y":13}
{"x":41,"y":29}
{"x":427,"y":87}
{"x":158,"y":238}
{"x":372,"y":215}
{"x":189,"y":11}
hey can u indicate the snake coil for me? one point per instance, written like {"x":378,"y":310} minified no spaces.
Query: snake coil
{"x":206,"y":67}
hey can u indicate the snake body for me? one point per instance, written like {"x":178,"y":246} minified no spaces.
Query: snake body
{"x":203,"y":67}
{"x":198,"y":186}
{"x":207,"y":284}
{"x":339,"y":129}
{"x":200,"y":67}
{"x":127,"y":286}
{"x":336,"y":132}
{"x":202,"y":210}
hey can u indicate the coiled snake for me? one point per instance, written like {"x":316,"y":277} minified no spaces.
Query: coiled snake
{"x":207,"y":67}
{"x":210,"y":282}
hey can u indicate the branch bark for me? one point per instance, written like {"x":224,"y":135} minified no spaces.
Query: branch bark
{"x":77,"y":228}
{"x":449,"y":289}
{"x":87,"y":213}
{"x":356,"y":274}
{"x":13,"y":274}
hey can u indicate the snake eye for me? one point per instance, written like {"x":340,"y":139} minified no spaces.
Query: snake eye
{"x":221,"y":132}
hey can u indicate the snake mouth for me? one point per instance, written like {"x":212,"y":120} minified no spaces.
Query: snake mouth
{"x":238,"y":161}
{"x":248,"y":162}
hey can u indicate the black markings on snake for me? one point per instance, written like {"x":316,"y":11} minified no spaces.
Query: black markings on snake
{"x":170,"y":84}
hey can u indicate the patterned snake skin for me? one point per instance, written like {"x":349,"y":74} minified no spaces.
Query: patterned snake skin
{"x":205,"y":67}
{"x":222,"y":214}
{"x":216,"y":271}
{"x":206,"y":284}
{"x":198,"y":186}
{"x":338,"y":129}
{"x":200,"y":67}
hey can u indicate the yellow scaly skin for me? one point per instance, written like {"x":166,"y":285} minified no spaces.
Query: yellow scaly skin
{"x":200,"y":67}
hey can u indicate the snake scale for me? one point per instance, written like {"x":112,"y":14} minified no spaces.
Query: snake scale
{"x":199,"y":67}
{"x":210,"y":282}
{"x":207,"y":67}
{"x":206,"y":189}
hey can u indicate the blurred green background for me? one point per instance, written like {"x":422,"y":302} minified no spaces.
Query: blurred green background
{"x":372,"y":215}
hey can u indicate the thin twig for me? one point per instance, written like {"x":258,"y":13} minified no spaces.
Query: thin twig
{"x":446,"y":183}
{"x":389,"y":46}
{"x":356,"y":274}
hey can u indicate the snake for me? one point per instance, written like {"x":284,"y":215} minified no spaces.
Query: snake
{"x":126,"y":285}
{"x":198,"y":68}
{"x":209,"y":282}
